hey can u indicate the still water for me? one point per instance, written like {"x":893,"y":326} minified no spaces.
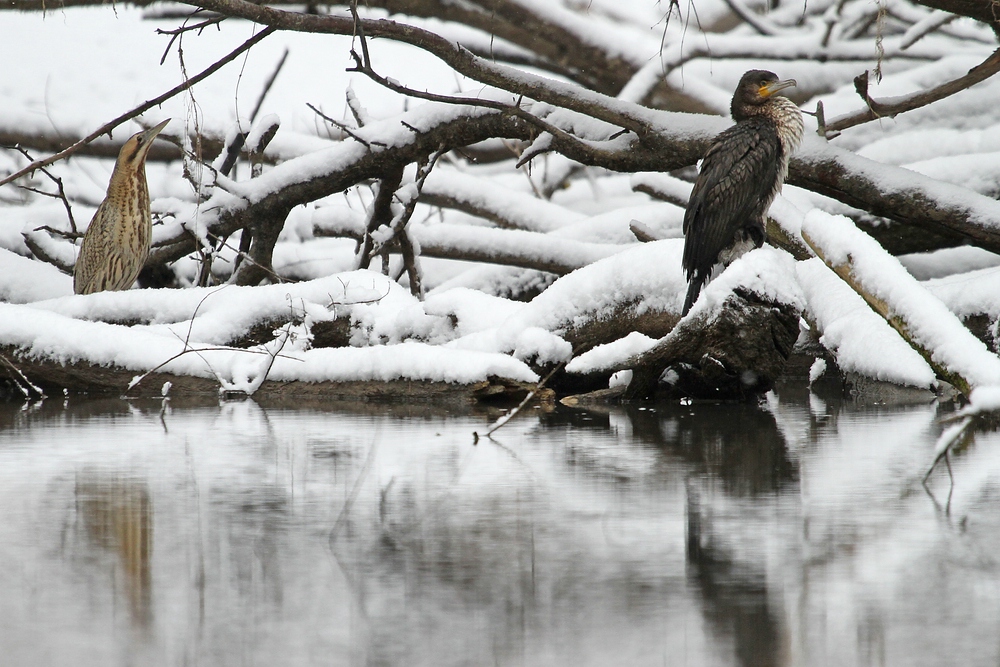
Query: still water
{"x":791,"y":532}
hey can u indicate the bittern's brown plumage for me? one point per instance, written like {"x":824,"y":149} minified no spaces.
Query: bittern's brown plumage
{"x":116,"y":243}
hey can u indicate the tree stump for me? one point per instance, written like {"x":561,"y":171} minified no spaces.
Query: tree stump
{"x":736,"y":352}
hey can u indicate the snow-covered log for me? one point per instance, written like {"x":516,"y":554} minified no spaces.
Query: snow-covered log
{"x":922,"y":320}
{"x":735,"y":340}
{"x":639,"y":289}
{"x":509,"y":247}
{"x":55,"y":350}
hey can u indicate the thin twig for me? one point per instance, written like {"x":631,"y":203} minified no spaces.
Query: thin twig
{"x":142,"y":108}
{"x":355,"y":489}
{"x":343,"y":127}
{"x":57,"y":232}
{"x":400,"y":220}
{"x":26,"y":386}
{"x":362,"y":66}
{"x":268,"y":84}
{"x":60,"y":194}
{"x":499,"y":423}
{"x":758,"y":23}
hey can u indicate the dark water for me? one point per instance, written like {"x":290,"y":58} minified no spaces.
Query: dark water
{"x":794,"y":532}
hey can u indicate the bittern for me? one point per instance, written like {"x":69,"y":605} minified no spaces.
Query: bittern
{"x":116,"y":244}
{"x":740,"y":177}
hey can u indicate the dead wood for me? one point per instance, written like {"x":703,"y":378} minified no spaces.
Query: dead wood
{"x":54,"y":377}
{"x":897,"y":194}
{"x":875,"y":109}
{"x":738,"y":352}
{"x":373,"y":163}
{"x":628,"y":317}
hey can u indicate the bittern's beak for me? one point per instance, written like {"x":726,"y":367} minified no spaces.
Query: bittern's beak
{"x":151,"y":133}
{"x":769,"y":89}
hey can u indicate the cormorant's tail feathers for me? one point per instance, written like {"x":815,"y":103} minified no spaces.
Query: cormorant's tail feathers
{"x":695,"y":283}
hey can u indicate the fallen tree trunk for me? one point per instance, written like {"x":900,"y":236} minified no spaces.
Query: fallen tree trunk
{"x":955,"y":355}
{"x":53,"y":378}
{"x":734,"y":342}
{"x":737,"y":352}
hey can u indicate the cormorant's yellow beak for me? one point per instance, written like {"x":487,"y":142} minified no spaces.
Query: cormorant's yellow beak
{"x":769,"y":89}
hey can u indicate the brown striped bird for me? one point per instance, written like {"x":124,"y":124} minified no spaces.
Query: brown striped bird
{"x":116,"y":244}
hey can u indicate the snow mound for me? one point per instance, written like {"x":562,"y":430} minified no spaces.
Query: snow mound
{"x":24,"y":280}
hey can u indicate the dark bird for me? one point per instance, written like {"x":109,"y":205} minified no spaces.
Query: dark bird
{"x":116,"y":244}
{"x":739,"y":178}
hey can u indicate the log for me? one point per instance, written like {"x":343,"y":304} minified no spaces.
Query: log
{"x":735,"y":353}
{"x":955,"y":355}
{"x":54,"y":378}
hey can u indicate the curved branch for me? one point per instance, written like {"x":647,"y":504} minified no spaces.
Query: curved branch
{"x":896,"y":193}
{"x":891,"y":108}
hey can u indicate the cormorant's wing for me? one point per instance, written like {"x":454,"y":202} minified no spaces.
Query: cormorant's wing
{"x":736,"y":180}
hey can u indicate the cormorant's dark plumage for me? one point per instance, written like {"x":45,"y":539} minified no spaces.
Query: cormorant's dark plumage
{"x":739,"y":178}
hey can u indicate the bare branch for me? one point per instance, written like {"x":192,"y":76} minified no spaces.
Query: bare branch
{"x":142,"y":108}
{"x":896,"y":106}
{"x":758,"y":23}
{"x":59,"y":194}
{"x":267,"y":85}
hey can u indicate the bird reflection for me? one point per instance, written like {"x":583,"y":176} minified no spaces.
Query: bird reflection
{"x":117,"y":517}
{"x":734,"y":453}
{"x":734,"y":592}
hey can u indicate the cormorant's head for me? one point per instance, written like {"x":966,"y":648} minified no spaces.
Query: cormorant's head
{"x":756,"y":87}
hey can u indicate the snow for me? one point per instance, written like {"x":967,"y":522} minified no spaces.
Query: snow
{"x":972,"y":293}
{"x":54,"y":330}
{"x":472,"y":310}
{"x":509,"y":209}
{"x":930,"y":324}
{"x":859,"y":339}
{"x":897,"y":182}
{"x":982,"y":399}
{"x":23,"y":280}
{"x":766,"y":271}
{"x":582,"y":231}
{"x":648,"y":276}
{"x":948,"y":261}
{"x":610,"y":355}
{"x":816,"y":370}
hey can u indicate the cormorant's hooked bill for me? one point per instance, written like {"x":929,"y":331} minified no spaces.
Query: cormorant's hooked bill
{"x":741,"y":174}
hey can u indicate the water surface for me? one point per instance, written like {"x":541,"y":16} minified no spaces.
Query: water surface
{"x":792,"y":532}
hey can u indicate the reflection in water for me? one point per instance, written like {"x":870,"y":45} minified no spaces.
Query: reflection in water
{"x":793,"y":532}
{"x":117,"y":517}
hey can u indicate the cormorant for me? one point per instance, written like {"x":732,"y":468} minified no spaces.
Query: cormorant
{"x":739,"y":178}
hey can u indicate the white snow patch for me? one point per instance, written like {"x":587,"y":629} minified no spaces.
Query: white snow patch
{"x":610,"y":354}
{"x":766,"y":271}
{"x":859,"y":339}
{"x":816,"y":370}
{"x":541,"y":346}
{"x":23,"y":280}
{"x":648,"y":275}
{"x":473,"y":310}
{"x":931,"y":325}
